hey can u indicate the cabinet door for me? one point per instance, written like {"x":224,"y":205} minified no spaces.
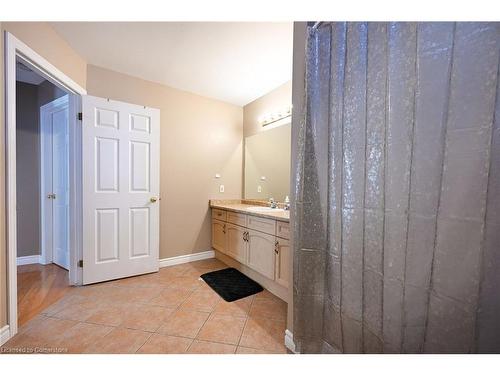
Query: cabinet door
{"x":282,"y":272}
{"x":261,"y":253}
{"x":236,"y":244}
{"x":219,"y":235}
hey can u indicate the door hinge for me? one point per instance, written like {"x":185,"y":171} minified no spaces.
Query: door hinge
{"x":80,"y":116}
{"x":80,"y":263}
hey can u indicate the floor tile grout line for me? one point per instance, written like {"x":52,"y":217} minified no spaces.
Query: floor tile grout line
{"x":173,"y":312}
{"x":198,"y":331}
{"x":150,"y":335}
{"x":246,"y":320}
{"x":215,"y":342}
{"x":179,"y":307}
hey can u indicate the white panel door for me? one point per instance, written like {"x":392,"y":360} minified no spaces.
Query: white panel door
{"x":60,"y":183}
{"x":121,"y":186}
{"x":54,"y":130}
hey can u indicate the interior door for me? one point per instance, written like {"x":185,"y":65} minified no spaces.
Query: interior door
{"x":54,"y":128}
{"x":121,"y":168}
{"x":60,"y":185}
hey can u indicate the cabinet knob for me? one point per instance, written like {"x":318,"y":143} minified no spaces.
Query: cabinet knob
{"x":276,"y":247}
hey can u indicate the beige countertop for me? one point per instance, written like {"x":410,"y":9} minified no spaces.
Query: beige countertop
{"x":238,"y":206}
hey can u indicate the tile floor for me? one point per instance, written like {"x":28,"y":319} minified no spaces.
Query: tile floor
{"x":172,"y":311}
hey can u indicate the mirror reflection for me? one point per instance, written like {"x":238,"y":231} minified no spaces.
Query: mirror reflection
{"x":267,"y":164}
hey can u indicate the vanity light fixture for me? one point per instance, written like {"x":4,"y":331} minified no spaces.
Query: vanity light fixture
{"x":271,"y":118}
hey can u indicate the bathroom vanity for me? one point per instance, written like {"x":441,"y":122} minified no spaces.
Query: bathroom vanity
{"x":254,"y":239}
{"x":253,"y":234}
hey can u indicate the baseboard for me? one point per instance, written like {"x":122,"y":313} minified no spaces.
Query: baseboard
{"x":43,"y":261}
{"x":30,"y":259}
{"x":289,"y":341}
{"x":4,"y":334}
{"x":186,"y":258}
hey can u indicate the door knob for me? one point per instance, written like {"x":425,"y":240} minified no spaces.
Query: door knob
{"x":153,"y":199}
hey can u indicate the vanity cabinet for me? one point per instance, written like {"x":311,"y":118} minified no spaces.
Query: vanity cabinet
{"x":282,"y":274}
{"x":261,"y":256}
{"x":260,"y":243}
{"x":219,"y":235}
{"x":236,"y":245}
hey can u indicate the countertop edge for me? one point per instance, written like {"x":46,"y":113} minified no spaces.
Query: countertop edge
{"x":243,"y":211}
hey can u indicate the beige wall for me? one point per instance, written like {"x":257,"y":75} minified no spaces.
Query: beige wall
{"x":199,"y":138}
{"x":44,"y":40}
{"x":276,"y":99}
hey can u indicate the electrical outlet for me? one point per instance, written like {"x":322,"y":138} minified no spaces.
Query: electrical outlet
{"x":221,"y":188}
{"x":259,"y":189}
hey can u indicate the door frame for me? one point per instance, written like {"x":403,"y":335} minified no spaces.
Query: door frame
{"x":15,"y":49}
{"x":47,"y":255}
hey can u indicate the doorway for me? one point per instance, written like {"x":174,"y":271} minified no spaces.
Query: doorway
{"x":19,"y":55}
{"x":42,"y":189}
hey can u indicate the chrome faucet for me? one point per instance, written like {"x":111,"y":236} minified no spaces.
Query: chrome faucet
{"x":272,"y":203}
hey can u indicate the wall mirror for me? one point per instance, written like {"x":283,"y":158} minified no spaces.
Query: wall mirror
{"x":267,"y":164}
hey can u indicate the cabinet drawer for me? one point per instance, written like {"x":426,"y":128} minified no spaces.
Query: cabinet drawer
{"x":261,"y":224}
{"x":283,"y":229}
{"x":218,"y":214}
{"x":237,"y":218}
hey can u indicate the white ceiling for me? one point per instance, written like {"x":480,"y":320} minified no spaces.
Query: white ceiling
{"x":26,"y":75}
{"x":232,"y":62}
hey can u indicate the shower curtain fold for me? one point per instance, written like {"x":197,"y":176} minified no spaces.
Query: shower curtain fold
{"x":396,"y":189}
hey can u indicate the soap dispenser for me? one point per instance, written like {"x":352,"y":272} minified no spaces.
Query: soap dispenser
{"x":287,"y":203}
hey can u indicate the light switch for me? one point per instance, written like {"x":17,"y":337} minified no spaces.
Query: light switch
{"x":259,"y":189}
{"x":221,"y":188}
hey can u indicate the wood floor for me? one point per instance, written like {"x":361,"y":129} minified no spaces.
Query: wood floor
{"x":38,"y":287}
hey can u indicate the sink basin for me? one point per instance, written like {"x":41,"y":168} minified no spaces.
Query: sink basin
{"x":264,"y":209}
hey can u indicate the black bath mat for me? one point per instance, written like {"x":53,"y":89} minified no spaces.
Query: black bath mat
{"x":231,"y":284}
